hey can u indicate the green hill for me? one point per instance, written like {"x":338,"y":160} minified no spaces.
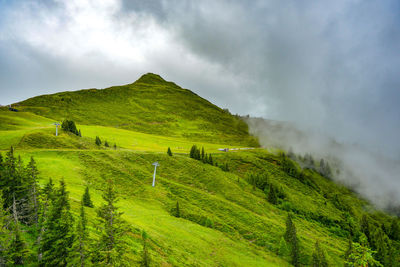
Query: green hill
{"x":149,"y":105}
{"x":227,"y":217}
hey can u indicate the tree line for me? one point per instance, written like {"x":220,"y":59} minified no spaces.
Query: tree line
{"x":37,"y":227}
{"x":201,"y":155}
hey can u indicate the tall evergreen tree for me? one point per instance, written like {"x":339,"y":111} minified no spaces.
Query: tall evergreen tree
{"x":394,"y":232}
{"x":111,"y":246}
{"x":145,"y":254}
{"x":81,"y":246}
{"x":319,"y":256}
{"x":210,"y":160}
{"x":169,"y":152}
{"x":365,"y":228}
{"x":18,"y":250}
{"x":106,"y":144}
{"x":33,"y":192}
{"x":5,"y":235}
{"x":380,"y":243}
{"x":283,"y":248}
{"x":202,"y":152}
{"x":86,"y":201}
{"x":98,"y":141}
{"x":58,"y":237}
{"x":291,"y":239}
{"x":272,"y":198}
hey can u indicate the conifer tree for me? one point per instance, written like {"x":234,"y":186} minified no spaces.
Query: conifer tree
{"x":319,"y":256}
{"x":291,"y":239}
{"x":210,"y":160}
{"x":283,"y":248}
{"x":380,"y":243}
{"x":365,"y":228}
{"x":202,"y":152}
{"x":115,"y":146}
{"x":79,"y":133}
{"x":111,"y":246}
{"x":272,"y":198}
{"x":106,"y":144}
{"x":145,"y":254}
{"x":58,"y":237}
{"x":394,"y":232}
{"x":81,"y":246}
{"x":18,"y":250}
{"x":5,"y":235}
{"x":169,"y":152}
{"x":33,"y":192}
{"x":98,"y":141}
{"x":86,"y":201}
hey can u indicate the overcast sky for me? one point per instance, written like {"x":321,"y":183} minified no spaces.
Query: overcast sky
{"x":329,"y":65}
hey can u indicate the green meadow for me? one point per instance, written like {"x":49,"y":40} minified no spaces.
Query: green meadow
{"x":225,"y":220}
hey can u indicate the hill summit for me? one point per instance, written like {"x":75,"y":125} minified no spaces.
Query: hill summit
{"x":149,"y":105}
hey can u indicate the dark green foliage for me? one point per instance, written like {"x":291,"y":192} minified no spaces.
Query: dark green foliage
{"x":319,"y":256}
{"x":362,"y":255}
{"x":98,"y":141}
{"x":202,"y":156}
{"x":380,"y":243}
{"x":365,"y":228}
{"x":86,"y":201}
{"x":272,"y":198}
{"x":79,"y":133}
{"x":169,"y":152}
{"x":82,"y":241}
{"x":283,"y":248}
{"x":145,"y":253}
{"x":258,"y":180}
{"x":288,"y":166}
{"x":111,"y":246}
{"x":18,"y":250}
{"x":69,"y":126}
{"x":33,"y":203}
{"x":115,"y":146}
{"x":58,"y":237}
{"x":106,"y":144}
{"x":394,"y":232}
{"x":292,"y":240}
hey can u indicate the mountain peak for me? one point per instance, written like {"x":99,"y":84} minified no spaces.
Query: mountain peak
{"x":151,"y":78}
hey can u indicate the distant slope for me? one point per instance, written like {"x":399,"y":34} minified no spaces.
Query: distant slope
{"x":149,"y":105}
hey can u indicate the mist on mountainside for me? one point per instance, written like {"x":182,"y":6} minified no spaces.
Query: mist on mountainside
{"x":374,"y":176}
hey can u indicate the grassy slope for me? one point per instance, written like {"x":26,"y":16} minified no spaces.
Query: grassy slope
{"x":149,"y":105}
{"x":245,"y":228}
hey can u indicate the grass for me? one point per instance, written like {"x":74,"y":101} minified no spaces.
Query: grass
{"x":224,"y":220}
{"x":150,"y":105}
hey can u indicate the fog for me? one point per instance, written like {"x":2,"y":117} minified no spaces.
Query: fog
{"x":374,"y":176}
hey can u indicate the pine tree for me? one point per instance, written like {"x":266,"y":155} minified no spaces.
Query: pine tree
{"x":79,"y":133}
{"x":291,"y":239}
{"x":283,"y":248}
{"x":202,"y":152}
{"x":5,"y":235}
{"x":365,"y":228}
{"x":169,"y":152}
{"x":210,"y":160}
{"x":98,"y":141}
{"x":115,"y":146}
{"x":33,"y":192}
{"x":145,"y":254}
{"x":380,"y":243}
{"x":272,"y":198}
{"x":193,"y":151}
{"x":82,"y":238}
{"x":58,"y":237}
{"x":106,"y":144}
{"x":394,"y":232}
{"x":362,"y":255}
{"x":111,"y":246}
{"x":18,"y":250}
{"x":86,"y":201}
{"x":319,"y":256}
